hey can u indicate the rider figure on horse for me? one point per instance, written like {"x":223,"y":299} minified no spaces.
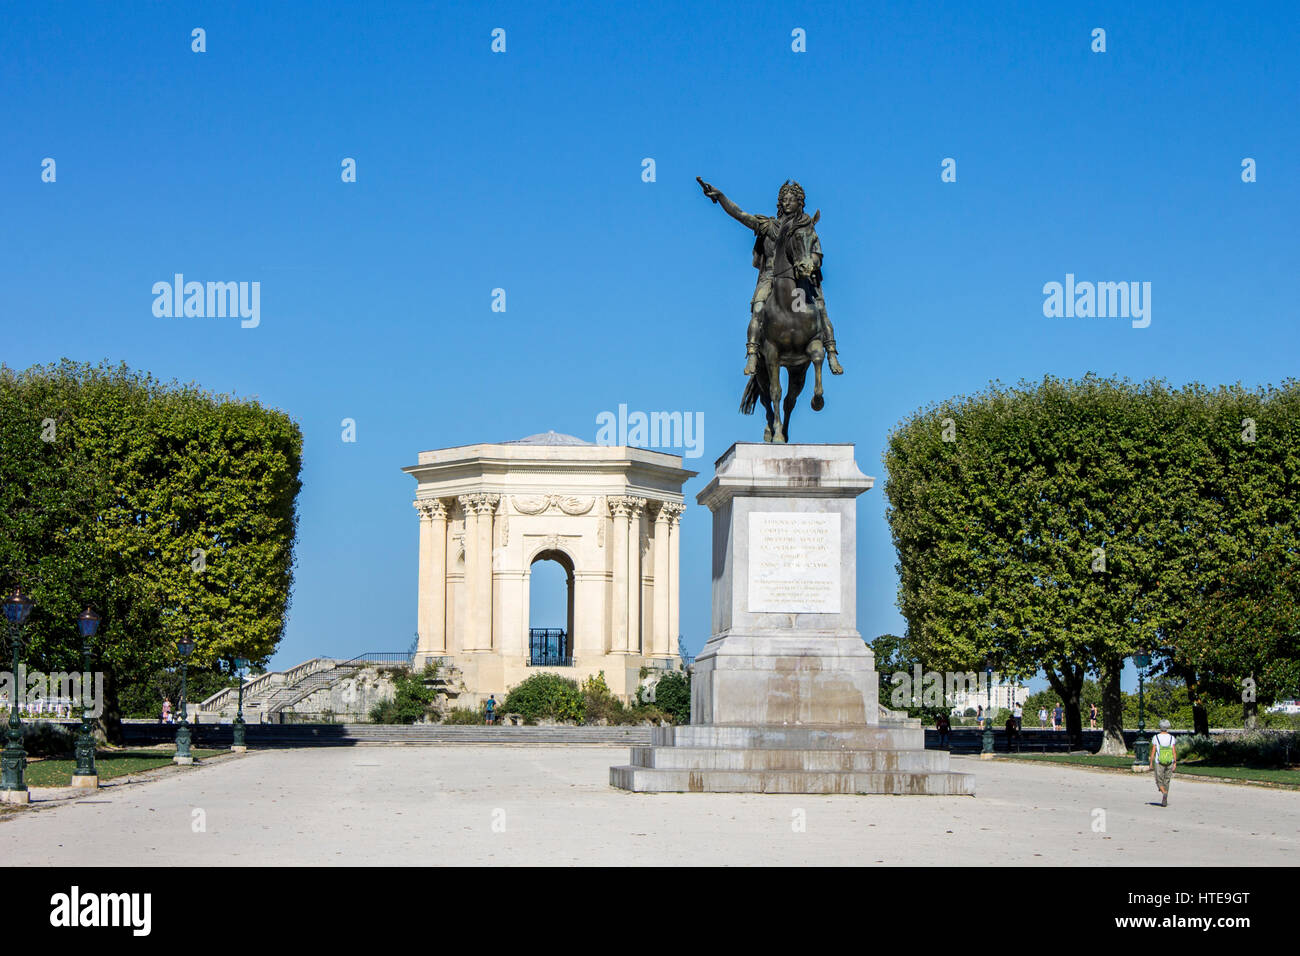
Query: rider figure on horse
{"x":796,"y":228}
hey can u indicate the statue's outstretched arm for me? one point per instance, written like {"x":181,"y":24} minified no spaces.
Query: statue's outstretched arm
{"x":732,"y":210}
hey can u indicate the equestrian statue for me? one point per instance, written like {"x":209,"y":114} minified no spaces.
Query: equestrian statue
{"x":788,"y":324}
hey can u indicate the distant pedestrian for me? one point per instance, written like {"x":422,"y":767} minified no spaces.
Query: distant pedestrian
{"x":1092,"y":717}
{"x":1042,"y":718}
{"x":944,"y":727}
{"x":491,"y":709}
{"x":979,"y":716}
{"x":1164,"y":760}
{"x":1058,"y":716}
{"x":1018,"y":712}
{"x":1013,"y":732}
{"x":167,"y":710}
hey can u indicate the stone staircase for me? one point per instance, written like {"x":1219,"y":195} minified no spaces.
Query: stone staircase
{"x":348,"y":735}
{"x":268,"y":695}
{"x":886,"y":757}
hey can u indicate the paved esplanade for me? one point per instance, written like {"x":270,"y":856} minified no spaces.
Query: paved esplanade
{"x":438,"y":805}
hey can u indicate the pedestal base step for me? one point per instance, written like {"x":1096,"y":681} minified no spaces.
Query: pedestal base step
{"x":788,"y":760}
{"x":885,"y":736}
{"x":656,"y":780}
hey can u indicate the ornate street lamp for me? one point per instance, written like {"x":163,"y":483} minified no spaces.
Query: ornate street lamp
{"x":85,"y":774}
{"x":1141,"y":745}
{"x":183,"y":756}
{"x":13,"y":760}
{"x":237,"y":743}
{"x":986,"y":750}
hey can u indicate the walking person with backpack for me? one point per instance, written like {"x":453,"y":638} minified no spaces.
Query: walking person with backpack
{"x":1164,"y":760}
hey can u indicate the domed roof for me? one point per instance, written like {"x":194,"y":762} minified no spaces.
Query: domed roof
{"x":548,"y":438}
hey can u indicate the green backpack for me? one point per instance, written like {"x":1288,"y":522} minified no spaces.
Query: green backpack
{"x":1164,"y":755}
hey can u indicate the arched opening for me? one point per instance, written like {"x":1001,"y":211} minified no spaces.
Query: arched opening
{"x":550,"y":610}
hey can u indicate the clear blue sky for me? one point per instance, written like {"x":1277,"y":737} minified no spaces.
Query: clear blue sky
{"x":523,"y":171}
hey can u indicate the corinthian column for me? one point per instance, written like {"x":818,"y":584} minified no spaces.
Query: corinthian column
{"x":636,"y":509}
{"x":674,"y":579}
{"x":659,"y":646}
{"x":467,"y":628}
{"x":478,"y":569}
{"x":431,"y":615}
{"x":485,"y":505}
{"x":618,"y":509}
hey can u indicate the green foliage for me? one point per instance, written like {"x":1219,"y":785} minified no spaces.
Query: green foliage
{"x":109,"y":482}
{"x":412,"y":699}
{"x":999,"y":502}
{"x":464,"y":715}
{"x":1274,"y":749}
{"x":44,"y":739}
{"x":144,"y":696}
{"x":547,"y":696}
{"x":1247,"y":626}
{"x":673,"y":696}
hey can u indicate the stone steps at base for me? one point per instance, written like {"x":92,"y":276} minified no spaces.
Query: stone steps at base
{"x":788,"y":760}
{"x":650,"y":780}
{"x":791,"y":737}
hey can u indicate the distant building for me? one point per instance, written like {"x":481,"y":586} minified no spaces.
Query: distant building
{"x":1004,"y":694}
{"x":608,"y":515}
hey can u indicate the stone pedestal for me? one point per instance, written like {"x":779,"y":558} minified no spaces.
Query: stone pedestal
{"x":85,"y":781}
{"x":15,"y":796}
{"x":785,"y":696}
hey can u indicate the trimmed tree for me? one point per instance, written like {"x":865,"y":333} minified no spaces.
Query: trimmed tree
{"x":169,"y":509}
{"x":1067,"y":524}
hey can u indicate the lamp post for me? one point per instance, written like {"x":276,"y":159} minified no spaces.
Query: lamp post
{"x":986,"y":747}
{"x":183,"y":756}
{"x":13,"y":761}
{"x":237,"y":743}
{"x":1141,"y":746}
{"x":85,"y":775}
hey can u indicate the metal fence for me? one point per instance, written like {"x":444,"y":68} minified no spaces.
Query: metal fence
{"x":549,"y":647}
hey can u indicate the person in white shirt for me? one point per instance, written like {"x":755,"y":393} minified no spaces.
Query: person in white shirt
{"x":1164,"y":759}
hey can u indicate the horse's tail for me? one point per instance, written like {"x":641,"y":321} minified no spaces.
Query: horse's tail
{"x":750,"y":398}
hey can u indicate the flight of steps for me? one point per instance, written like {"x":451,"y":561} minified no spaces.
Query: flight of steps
{"x":325,"y":735}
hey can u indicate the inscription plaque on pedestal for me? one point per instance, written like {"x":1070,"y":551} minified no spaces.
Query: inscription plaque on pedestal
{"x":794,"y":562}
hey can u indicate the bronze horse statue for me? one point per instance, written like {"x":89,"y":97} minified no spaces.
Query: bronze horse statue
{"x":790,"y":339}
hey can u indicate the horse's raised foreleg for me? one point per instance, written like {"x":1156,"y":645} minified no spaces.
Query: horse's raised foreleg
{"x":817,"y":354}
{"x":797,"y":376}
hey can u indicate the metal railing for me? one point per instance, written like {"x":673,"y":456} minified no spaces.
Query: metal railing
{"x":377,"y":657}
{"x":549,"y":647}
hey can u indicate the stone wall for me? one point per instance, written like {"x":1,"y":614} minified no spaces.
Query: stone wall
{"x":348,"y":700}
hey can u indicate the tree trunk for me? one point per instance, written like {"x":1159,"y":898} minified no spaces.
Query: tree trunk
{"x":110,"y":721}
{"x":1250,"y":708}
{"x":1200,"y":716}
{"x":1069,"y":685}
{"x":1112,"y":709}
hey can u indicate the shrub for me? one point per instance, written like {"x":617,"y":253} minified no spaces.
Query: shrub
{"x":412,"y":700}
{"x":1278,"y":749}
{"x":43,"y":739}
{"x":464,"y":715}
{"x":673,"y":697}
{"x":545,"y":696}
